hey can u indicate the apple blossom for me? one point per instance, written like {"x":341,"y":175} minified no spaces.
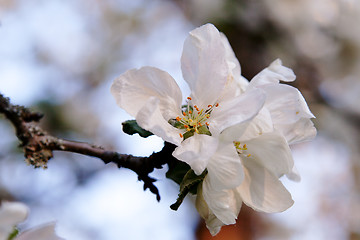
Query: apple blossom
{"x":263,"y":160}
{"x":261,"y":146}
{"x":154,"y":99}
{"x":235,"y":135}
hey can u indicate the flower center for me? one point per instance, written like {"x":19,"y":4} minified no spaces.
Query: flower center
{"x":241,"y":149}
{"x":193,"y":120}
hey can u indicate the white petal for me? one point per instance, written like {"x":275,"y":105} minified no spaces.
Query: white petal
{"x":212,"y":222}
{"x":236,"y":84}
{"x":151,"y":118}
{"x":285,"y":103}
{"x":132,"y":90}
{"x":273,"y":74}
{"x":204,"y":65}
{"x":12,"y":213}
{"x":46,"y":232}
{"x":262,"y":190}
{"x":200,"y":203}
{"x":224,"y":168}
{"x":237,"y":110}
{"x":233,"y":133}
{"x":271,"y":151}
{"x":300,"y":131}
{"x":224,"y":204}
{"x":232,"y":61}
{"x":196,"y":151}
{"x":260,"y":124}
{"x":294,"y":175}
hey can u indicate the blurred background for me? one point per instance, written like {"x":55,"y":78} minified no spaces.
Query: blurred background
{"x":60,"y":58}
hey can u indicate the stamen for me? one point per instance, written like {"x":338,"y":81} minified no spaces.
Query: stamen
{"x":217,"y":104}
{"x":181,"y":135}
{"x":193,"y":119}
{"x":248,"y":155}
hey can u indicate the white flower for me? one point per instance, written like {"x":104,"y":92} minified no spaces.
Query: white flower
{"x":238,"y":131}
{"x":154,"y":99}
{"x":285,"y":109}
{"x":13,"y":213}
{"x":263,"y":160}
{"x":261,"y":147}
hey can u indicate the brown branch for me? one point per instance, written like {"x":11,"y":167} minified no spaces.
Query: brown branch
{"x":38,"y":146}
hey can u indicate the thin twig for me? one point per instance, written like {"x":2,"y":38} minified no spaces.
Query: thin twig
{"x":38,"y":146}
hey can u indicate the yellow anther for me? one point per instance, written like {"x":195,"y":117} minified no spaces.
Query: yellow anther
{"x":207,"y":115}
{"x":188,"y":129}
{"x":297,"y":112}
{"x":190,"y":112}
{"x":178,"y":119}
{"x":184,"y":113}
{"x":190,"y":120}
{"x":248,"y":155}
{"x":181,"y":135}
{"x":244,"y":146}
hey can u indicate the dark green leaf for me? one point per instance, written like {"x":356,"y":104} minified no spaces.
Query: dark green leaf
{"x":177,"y":171}
{"x":188,"y":184}
{"x":131,"y":127}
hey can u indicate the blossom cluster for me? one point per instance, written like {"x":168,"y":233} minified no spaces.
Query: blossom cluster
{"x":234,"y":132}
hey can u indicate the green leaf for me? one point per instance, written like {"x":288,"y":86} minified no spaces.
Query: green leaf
{"x":188,"y":184}
{"x":131,"y":127}
{"x":177,"y":171}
